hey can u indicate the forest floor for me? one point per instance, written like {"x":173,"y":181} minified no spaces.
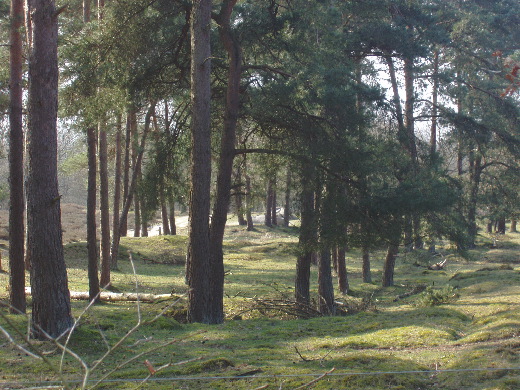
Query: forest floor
{"x":461,"y":332}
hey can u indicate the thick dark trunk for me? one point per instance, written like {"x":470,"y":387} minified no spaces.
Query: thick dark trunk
{"x":104,"y":208}
{"x":307,"y":238}
{"x":512,"y":228}
{"x":16,"y":175}
{"x":51,"y":315}
{"x":198,"y":253}
{"x":342,"y":271}
{"x":326,"y":304}
{"x":501,"y":228}
{"x":117,"y":189}
{"x":92,"y":250}
{"x":225,"y":170}
{"x":389,"y":265}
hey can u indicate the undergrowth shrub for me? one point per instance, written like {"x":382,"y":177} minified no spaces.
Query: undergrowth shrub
{"x":435,"y":297}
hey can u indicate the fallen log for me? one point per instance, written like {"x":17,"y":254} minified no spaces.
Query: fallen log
{"x":438,"y":266}
{"x":117,"y":297}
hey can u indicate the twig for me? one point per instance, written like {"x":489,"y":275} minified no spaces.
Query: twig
{"x":315,"y":380}
{"x":300,"y":355}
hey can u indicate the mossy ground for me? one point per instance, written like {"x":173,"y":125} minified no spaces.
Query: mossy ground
{"x":369,"y":349}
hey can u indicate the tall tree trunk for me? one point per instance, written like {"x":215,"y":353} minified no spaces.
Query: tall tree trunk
{"x":307,"y":237}
{"x":92,"y":250}
{"x":435,"y":93}
{"x":287,"y":204}
{"x":342,"y":270}
{"x":198,"y":253}
{"x":51,"y":315}
{"x":16,"y":150}
{"x":249,"y":206}
{"x":114,"y":250}
{"x":104,"y":208}
{"x":131,"y":128}
{"x":137,"y":214}
{"x":326,"y":304}
{"x":117,"y":189}
{"x":227,"y":154}
{"x":239,"y":200}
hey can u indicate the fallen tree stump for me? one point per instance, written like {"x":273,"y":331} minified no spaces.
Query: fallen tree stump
{"x":117,"y":297}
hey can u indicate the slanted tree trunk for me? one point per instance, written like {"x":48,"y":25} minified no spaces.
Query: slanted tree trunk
{"x":117,"y":189}
{"x":16,"y":175}
{"x":51,"y":315}
{"x":104,"y":208}
{"x":92,"y":250}
{"x":114,"y":250}
{"x":131,"y":127}
{"x":198,"y":253}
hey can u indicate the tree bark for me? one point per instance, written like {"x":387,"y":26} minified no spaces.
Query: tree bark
{"x":269,"y":204}
{"x":131,"y":128}
{"x":198,"y":253}
{"x":92,"y":250}
{"x":117,"y":188}
{"x":164,"y":213}
{"x":475,"y":174}
{"x":287,"y":205}
{"x":114,"y":250}
{"x":249,"y":206}
{"x":274,"y":217}
{"x":389,"y":265}
{"x":306,"y":240}
{"x":16,"y":155}
{"x":326,"y":303}
{"x":104,"y":208}
{"x":227,"y":154}
{"x":173,"y":226}
{"x":343,"y":284}
{"x":51,"y":315}
{"x":512,"y":228}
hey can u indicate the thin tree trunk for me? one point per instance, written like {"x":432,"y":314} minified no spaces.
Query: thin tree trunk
{"x":92,"y":250}
{"x":51,"y":314}
{"x":274,"y":217}
{"x":287,"y":205}
{"x":367,"y":274}
{"x":173,"y":226}
{"x":104,"y":208}
{"x":164,"y":212}
{"x":137,"y":214}
{"x":131,"y":128}
{"x":269,"y":204}
{"x":114,"y":250}
{"x":198,"y":254}
{"x":117,"y":188}
{"x":435,"y":93}
{"x":476,"y":172}
{"x":249,"y":206}
{"x":16,"y":155}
